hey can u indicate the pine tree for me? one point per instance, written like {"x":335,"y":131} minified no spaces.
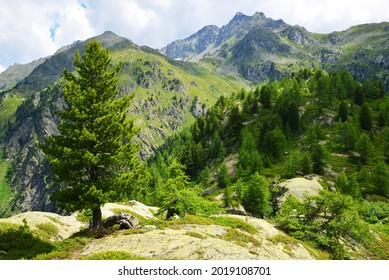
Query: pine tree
{"x":343,"y":111}
{"x":365,"y":148}
{"x":222,"y":177}
{"x":359,"y":96}
{"x":93,"y":156}
{"x":365,"y":117}
{"x":349,"y":83}
{"x":294,"y":165}
{"x":257,"y":198}
{"x":342,"y":183}
{"x":306,"y":164}
{"x":235,"y":123}
{"x":266,"y":96}
{"x":347,"y":135}
{"x":318,"y":156}
{"x":293,"y":116}
{"x":381,"y":179}
{"x":249,"y":159}
{"x":274,"y":143}
{"x":177,"y":197}
{"x":348,"y":185}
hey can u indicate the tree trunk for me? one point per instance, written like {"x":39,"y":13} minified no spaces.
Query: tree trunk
{"x":97,"y":218}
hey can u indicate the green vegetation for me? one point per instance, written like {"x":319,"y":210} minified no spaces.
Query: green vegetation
{"x":240,"y":238}
{"x":47,"y":230}
{"x":17,"y":242}
{"x":5,"y":189}
{"x":8,"y":106}
{"x":303,"y":127}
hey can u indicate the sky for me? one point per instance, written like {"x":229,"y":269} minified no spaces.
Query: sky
{"x":37,"y":28}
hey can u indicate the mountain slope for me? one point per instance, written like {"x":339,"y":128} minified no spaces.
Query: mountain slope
{"x":168,"y":96}
{"x":17,"y":73}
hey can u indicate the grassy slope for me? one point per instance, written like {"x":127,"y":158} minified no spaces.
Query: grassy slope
{"x":5,"y":190}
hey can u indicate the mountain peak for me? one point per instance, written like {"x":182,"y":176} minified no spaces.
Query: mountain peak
{"x":259,"y":15}
{"x":240,"y":17}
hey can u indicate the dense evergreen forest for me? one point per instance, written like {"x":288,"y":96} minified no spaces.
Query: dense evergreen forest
{"x":314,"y":122}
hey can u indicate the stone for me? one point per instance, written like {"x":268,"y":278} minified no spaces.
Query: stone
{"x":125,"y":221}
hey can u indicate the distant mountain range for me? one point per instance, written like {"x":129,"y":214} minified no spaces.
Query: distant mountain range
{"x":261,"y":48}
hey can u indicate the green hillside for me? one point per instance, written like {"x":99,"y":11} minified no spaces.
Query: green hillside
{"x":249,"y":148}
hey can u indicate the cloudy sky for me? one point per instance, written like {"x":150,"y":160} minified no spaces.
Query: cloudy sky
{"x":37,"y":28}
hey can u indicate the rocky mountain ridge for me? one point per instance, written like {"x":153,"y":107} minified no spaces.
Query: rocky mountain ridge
{"x":261,"y":48}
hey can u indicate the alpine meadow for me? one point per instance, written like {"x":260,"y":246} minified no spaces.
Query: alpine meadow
{"x":257,"y":140}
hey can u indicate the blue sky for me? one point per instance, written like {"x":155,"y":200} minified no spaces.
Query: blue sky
{"x":37,"y":28}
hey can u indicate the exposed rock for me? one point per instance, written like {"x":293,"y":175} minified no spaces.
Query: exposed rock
{"x":208,"y":191}
{"x":205,"y":242}
{"x":197,"y":108}
{"x":237,"y":211}
{"x":297,"y":34}
{"x":108,"y":209}
{"x":125,"y":221}
{"x":193,"y":45}
{"x":299,"y":187}
{"x":66,"y":225}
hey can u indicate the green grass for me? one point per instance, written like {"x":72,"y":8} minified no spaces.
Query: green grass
{"x":235,"y":223}
{"x":112,"y":255}
{"x":46,"y":230}
{"x":195,"y":234}
{"x":5,"y":189}
{"x":240,"y":238}
{"x":8,"y":107}
{"x":65,"y":250}
{"x":19,"y":242}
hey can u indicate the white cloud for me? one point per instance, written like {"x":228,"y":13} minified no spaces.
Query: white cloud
{"x":26,"y":28}
{"x":328,"y":15}
{"x":37,"y":28}
{"x":2,"y":68}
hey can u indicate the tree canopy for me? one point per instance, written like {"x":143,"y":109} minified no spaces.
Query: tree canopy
{"x":93,"y":157}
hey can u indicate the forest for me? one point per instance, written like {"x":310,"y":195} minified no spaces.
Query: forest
{"x":314,"y":122}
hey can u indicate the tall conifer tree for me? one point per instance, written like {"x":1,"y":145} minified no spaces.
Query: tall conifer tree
{"x":93,"y":156}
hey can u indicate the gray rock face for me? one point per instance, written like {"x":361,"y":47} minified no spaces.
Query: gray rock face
{"x":297,"y":34}
{"x":197,"y":108}
{"x":195,"y":44}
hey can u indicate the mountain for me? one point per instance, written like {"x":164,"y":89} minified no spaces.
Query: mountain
{"x":192,"y":46}
{"x":17,"y":72}
{"x":169,"y":96}
{"x":261,"y":48}
{"x":230,"y":146}
{"x":210,"y":38}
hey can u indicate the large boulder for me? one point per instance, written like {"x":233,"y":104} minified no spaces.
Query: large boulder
{"x":299,"y":187}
